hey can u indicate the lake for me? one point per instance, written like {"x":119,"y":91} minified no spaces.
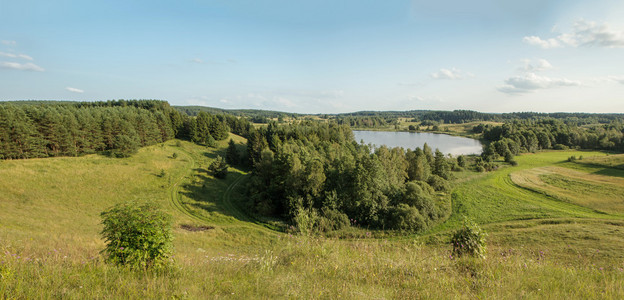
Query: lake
{"x":454,"y":145}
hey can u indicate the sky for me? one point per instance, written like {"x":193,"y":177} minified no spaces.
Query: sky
{"x":319,"y":56}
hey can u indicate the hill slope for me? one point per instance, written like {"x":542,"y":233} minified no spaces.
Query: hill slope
{"x":539,"y":245}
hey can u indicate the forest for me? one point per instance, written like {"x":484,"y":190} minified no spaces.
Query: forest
{"x":535,"y":134}
{"x":306,"y":170}
{"x":118,"y":128}
{"x":316,"y":173}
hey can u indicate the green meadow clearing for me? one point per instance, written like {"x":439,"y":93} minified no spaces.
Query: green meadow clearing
{"x":556,"y":229}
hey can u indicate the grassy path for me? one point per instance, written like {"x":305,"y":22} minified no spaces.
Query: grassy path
{"x":226,"y":203}
{"x":175,"y":187}
{"x":495,"y":198}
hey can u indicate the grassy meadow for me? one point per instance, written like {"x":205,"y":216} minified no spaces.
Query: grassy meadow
{"x":556,"y":229}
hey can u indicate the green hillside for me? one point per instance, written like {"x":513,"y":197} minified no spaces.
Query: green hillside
{"x":541,"y":243}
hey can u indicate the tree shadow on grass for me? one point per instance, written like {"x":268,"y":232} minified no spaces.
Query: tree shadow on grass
{"x":207,"y":194}
{"x":213,"y":154}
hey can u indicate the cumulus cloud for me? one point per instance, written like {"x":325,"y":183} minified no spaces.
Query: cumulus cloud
{"x":74,"y":90}
{"x":11,"y":55}
{"x":584,"y":33}
{"x":19,"y":66}
{"x":536,"y":65}
{"x":530,"y":82}
{"x":537,"y":41}
{"x":452,"y":74}
{"x":8,"y":43}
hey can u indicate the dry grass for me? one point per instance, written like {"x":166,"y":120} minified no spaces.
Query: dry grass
{"x":603,"y":193}
{"x":49,"y":241}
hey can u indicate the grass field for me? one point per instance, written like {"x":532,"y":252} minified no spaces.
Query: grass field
{"x":556,"y":234}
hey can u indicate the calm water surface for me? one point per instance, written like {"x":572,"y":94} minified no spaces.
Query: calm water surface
{"x":446,"y":143}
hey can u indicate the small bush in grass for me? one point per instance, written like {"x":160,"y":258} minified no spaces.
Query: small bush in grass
{"x":137,"y":235}
{"x":470,"y":240}
{"x":218,"y":168}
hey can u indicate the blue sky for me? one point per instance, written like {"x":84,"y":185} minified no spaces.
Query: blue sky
{"x":319,"y":56}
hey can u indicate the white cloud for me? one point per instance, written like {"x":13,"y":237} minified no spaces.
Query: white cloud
{"x":453,"y":74}
{"x":8,"y":43}
{"x":536,"y":65}
{"x":584,"y":33}
{"x":19,"y":66}
{"x":537,"y":41}
{"x":530,"y":82}
{"x":285,"y":102}
{"x":198,"y":60}
{"x":11,"y":55}
{"x":74,"y":90}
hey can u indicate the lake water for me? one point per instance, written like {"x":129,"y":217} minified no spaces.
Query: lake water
{"x":446,"y":143}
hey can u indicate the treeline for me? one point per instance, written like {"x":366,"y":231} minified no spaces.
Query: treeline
{"x":465,"y":116}
{"x":247,"y":113}
{"x":366,"y":121}
{"x":315,"y":173}
{"x":118,"y":127}
{"x":532,"y":135}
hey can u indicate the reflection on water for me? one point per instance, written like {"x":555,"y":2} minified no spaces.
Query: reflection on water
{"x":446,"y":143}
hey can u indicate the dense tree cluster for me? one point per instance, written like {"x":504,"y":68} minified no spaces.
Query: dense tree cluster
{"x":318,"y":168}
{"x":535,"y":134}
{"x":367,"y":121}
{"x":430,"y":118}
{"x":28,"y":131}
{"x":119,"y":127}
{"x":253,"y":114}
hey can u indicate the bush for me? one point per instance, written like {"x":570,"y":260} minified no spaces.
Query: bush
{"x":470,"y":239}
{"x":438,"y":183}
{"x":332,"y":219}
{"x":405,"y":217}
{"x":561,"y":147}
{"x":137,"y":235}
{"x":219,"y":167}
{"x":306,"y":220}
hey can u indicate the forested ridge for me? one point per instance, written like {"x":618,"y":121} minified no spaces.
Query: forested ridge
{"x":536,"y":134}
{"x":374,"y":118}
{"x":32,"y":129}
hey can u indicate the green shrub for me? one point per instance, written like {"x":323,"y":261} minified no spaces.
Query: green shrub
{"x":561,"y":147}
{"x":306,"y":220}
{"x":332,"y":219}
{"x":470,"y":240}
{"x":219,"y":167}
{"x":438,"y":183}
{"x":406,"y":218}
{"x":137,"y":235}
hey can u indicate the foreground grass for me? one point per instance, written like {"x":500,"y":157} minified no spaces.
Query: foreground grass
{"x":318,"y":268}
{"x":539,"y":246}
